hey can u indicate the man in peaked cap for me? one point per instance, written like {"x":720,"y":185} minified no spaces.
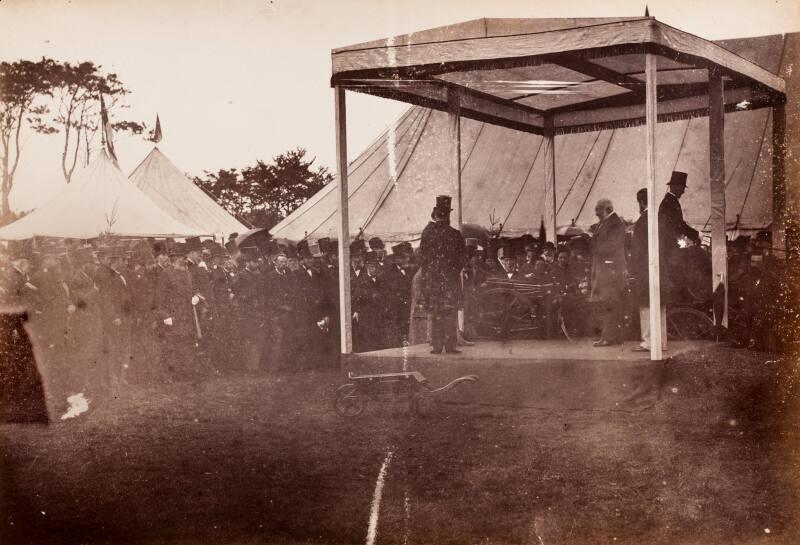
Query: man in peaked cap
{"x":672,"y":227}
{"x":442,"y":256}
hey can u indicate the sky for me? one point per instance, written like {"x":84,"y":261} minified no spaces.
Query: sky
{"x":235,"y":82}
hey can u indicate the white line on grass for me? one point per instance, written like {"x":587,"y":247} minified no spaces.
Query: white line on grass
{"x":372,"y":529}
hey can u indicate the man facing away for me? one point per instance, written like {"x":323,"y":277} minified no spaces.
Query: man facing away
{"x":639,"y":269}
{"x":442,"y":255}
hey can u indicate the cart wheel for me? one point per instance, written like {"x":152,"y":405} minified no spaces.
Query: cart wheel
{"x":689,"y":324}
{"x":348,"y":403}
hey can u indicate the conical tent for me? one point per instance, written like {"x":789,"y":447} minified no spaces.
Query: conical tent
{"x":179,"y":197}
{"x":393,"y":183}
{"x":100,"y":201}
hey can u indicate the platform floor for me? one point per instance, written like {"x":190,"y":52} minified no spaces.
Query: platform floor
{"x":557,"y":374}
{"x":538,"y":350}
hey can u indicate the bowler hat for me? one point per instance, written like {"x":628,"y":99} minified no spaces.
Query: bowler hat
{"x":375,"y":243}
{"x":678,"y":178}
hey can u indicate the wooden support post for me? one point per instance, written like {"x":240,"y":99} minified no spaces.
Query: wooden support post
{"x":549,"y":144}
{"x":779,"y":177}
{"x":345,"y":315}
{"x":454,"y":118}
{"x":716,"y":147}
{"x":653,"y":251}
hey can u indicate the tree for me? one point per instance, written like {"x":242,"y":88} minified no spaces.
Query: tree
{"x":77,"y":89}
{"x":266,"y":193}
{"x":22,"y":83}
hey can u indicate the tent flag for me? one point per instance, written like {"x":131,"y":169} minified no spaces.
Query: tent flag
{"x":108,"y":133}
{"x":156,"y":137}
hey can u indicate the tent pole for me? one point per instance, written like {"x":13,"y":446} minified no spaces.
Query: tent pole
{"x":779,"y":176}
{"x":345,"y":316}
{"x":549,"y":142}
{"x":653,"y":253}
{"x":716,"y":147}
{"x":454,"y":119}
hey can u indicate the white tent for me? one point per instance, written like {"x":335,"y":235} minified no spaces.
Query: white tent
{"x":179,"y":197}
{"x":100,"y":201}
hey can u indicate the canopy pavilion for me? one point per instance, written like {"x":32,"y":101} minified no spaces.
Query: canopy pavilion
{"x":552,"y":77}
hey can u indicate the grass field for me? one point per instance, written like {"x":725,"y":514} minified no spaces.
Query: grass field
{"x":264,"y":459}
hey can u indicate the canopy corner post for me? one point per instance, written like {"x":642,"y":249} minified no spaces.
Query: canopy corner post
{"x":549,"y":143}
{"x":454,"y":130}
{"x":779,"y":177}
{"x":653,"y":250}
{"x":345,"y":315}
{"x":716,"y":156}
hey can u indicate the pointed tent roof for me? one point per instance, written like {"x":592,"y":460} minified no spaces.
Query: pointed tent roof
{"x":99,"y":201}
{"x":179,"y":197}
{"x":393,"y":190}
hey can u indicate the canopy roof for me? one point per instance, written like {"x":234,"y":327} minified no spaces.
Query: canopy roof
{"x":583,"y":74}
{"x":99,"y":201}
{"x":393,"y":183}
{"x":179,"y":197}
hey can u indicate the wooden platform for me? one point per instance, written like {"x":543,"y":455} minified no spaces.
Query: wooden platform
{"x":556,"y":374}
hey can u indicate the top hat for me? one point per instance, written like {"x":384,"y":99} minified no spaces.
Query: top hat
{"x":193,"y":244}
{"x":375,"y":243}
{"x":326,"y":246}
{"x":402,"y":249}
{"x":443,"y":203}
{"x":678,"y":178}
{"x":303,"y":249}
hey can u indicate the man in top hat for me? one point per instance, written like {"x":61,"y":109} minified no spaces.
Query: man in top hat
{"x":369,"y":307}
{"x":442,"y":256}
{"x":639,"y":268}
{"x":174,"y":302}
{"x":608,"y":271}
{"x":672,"y":227}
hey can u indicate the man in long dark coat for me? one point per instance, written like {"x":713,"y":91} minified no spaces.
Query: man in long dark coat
{"x":248,"y":300}
{"x":638,"y":267}
{"x":442,"y":256}
{"x":173,"y":300}
{"x":608,"y":272}
{"x":117,"y":314}
{"x":397,"y":279}
{"x":672,"y":227}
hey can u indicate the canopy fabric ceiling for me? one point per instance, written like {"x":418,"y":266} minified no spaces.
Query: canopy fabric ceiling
{"x":179,"y":197}
{"x":583,"y":74}
{"x":99,"y":201}
{"x":391,"y":194}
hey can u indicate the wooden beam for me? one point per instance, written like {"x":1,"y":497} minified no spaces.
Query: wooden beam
{"x":779,"y":177}
{"x":693,"y":105}
{"x":549,"y":150}
{"x":345,"y":314}
{"x":454,"y":159}
{"x":434,"y":94}
{"x":596,"y":71}
{"x":716,"y":148}
{"x":653,"y":251}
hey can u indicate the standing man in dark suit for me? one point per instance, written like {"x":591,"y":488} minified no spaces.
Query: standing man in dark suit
{"x":116,"y":313}
{"x":608,"y":271}
{"x":398,"y":288}
{"x":442,"y":256}
{"x":672,"y":227}
{"x":639,"y":268}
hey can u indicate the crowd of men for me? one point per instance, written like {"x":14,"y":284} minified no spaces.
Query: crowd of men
{"x":104,"y":314}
